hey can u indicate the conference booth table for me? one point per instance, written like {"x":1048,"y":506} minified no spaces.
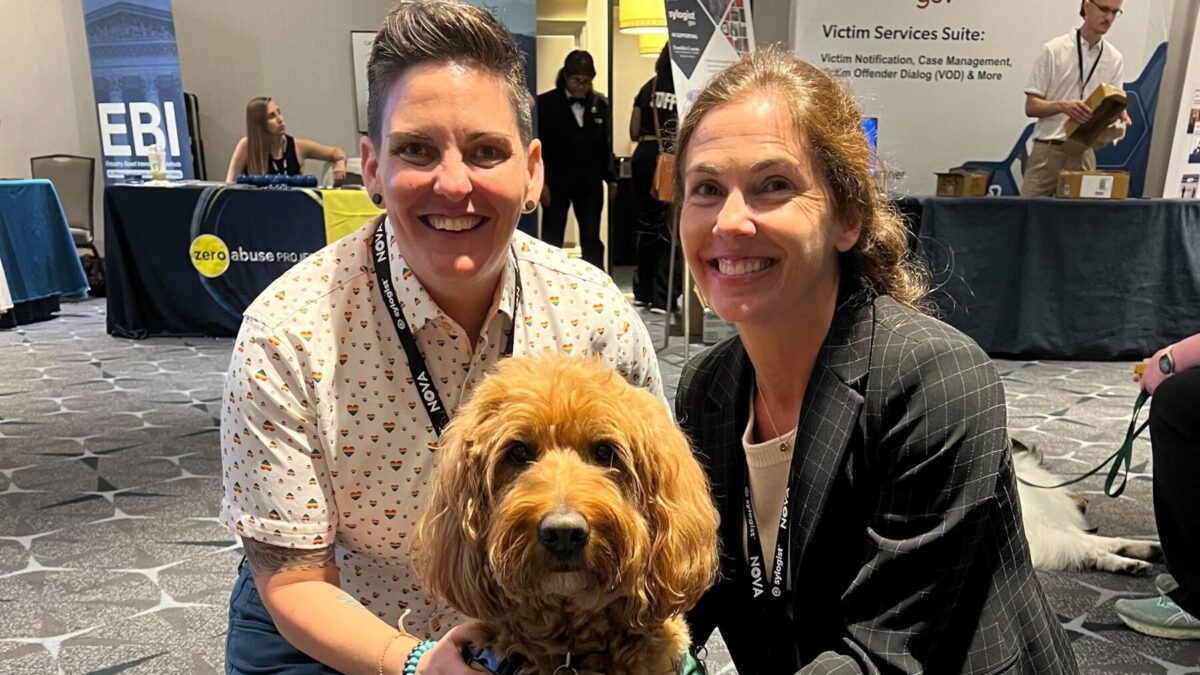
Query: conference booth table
{"x":38,"y":261}
{"x":186,"y":260}
{"x":1063,"y":278}
{"x":1034,"y":278}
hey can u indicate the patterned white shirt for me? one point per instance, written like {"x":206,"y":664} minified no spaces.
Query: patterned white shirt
{"x":323,"y":438}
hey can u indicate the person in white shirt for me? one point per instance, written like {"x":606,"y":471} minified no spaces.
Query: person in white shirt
{"x":349,"y":365}
{"x":1067,"y":70}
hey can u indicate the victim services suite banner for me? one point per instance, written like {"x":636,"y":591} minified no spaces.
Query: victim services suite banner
{"x":946,"y":78}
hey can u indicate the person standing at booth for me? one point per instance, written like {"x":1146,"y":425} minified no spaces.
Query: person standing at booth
{"x":1067,"y":70}
{"x":573,"y":125}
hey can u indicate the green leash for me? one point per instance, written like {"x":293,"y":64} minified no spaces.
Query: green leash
{"x":1121,"y":459}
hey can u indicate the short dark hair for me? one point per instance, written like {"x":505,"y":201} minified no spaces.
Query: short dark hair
{"x":444,"y":31}
{"x":579,"y":62}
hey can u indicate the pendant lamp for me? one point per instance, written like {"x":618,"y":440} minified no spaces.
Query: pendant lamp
{"x":642,"y":16}
{"x":651,"y":44}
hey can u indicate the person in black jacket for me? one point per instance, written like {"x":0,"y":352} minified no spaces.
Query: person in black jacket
{"x":574,"y":127}
{"x":651,"y":125}
{"x":856,"y":448}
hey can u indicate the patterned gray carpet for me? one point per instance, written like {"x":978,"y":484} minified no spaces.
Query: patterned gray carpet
{"x":111,"y":560}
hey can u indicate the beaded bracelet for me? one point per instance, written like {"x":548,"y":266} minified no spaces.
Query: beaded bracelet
{"x":414,"y":657}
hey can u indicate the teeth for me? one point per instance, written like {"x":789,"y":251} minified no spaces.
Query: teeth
{"x":742,"y":266}
{"x":454,"y":224}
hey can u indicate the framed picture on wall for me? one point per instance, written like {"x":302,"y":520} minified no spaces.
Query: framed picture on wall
{"x":360,"y":48}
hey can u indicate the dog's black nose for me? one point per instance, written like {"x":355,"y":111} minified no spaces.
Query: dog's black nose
{"x":564,"y":533}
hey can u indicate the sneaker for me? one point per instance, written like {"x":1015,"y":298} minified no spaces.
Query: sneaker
{"x":1159,"y":617}
{"x":1165,"y":583}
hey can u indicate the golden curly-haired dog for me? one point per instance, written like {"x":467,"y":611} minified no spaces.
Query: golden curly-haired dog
{"x":568,"y":516}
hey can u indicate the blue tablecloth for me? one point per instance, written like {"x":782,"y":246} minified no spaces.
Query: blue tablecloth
{"x":1065,"y":278}
{"x":38,"y":254}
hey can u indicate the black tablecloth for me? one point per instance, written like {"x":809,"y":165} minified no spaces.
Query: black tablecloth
{"x":153,"y":288}
{"x":1070,"y":279}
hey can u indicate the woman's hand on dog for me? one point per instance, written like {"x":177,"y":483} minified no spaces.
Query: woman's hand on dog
{"x":446,"y":658}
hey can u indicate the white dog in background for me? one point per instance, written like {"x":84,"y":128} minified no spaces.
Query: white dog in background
{"x":1056,"y":526}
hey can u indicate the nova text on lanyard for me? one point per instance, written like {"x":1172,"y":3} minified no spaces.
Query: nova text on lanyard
{"x":422,"y":378}
{"x":766,"y":587}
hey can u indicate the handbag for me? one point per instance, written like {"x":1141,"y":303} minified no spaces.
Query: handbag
{"x":662,"y":187}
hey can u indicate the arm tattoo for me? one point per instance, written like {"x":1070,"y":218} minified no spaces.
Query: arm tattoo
{"x":350,"y":602}
{"x":267,"y":558}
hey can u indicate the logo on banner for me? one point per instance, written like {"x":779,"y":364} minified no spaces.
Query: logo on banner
{"x":210,"y":255}
{"x":691,"y":30}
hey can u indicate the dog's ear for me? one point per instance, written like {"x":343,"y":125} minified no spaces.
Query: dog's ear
{"x":681,"y":517}
{"x":449,"y":543}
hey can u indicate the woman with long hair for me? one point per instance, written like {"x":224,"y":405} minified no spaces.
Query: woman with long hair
{"x":857,"y":447}
{"x":267,"y":148}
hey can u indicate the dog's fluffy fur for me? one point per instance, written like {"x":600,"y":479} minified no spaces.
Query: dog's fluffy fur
{"x":528,"y":444}
{"x":1056,"y":526}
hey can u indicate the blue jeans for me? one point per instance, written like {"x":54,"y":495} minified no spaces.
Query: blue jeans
{"x":253,"y":645}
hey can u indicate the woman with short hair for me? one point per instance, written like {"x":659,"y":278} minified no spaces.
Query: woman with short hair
{"x":347,"y":369}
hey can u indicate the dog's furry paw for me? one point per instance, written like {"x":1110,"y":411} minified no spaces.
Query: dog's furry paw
{"x":1150,"y":551}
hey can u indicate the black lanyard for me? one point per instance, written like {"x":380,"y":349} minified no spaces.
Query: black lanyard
{"x":422,"y":379}
{"x":761,"y":581}
{"x":1079,"y":52}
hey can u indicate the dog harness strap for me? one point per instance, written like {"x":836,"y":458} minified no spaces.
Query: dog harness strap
{"x":422,"y":379}
{"x":691,"y":665}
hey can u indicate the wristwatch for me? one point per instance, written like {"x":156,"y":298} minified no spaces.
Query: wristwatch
{"x":1166,"y":364}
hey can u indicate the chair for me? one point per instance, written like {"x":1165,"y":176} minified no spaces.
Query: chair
{"x":74,"y":181}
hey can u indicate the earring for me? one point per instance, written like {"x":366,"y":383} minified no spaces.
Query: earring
{"x":377,"y":199}
{"x":529,"y":206}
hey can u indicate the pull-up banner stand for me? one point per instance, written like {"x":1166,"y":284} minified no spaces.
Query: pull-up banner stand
{"x":139,"y":94}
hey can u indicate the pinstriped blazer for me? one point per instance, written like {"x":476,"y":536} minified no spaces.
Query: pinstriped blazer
{"x":906,"y":553}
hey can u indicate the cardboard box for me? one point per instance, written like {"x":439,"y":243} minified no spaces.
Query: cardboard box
{"x":1093,"y":185}
{"x":963,"y":183}
{"x":1107,"y":104}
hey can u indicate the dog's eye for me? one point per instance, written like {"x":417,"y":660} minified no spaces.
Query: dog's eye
{"x":603,"y":453}
{"x":519,"y":453}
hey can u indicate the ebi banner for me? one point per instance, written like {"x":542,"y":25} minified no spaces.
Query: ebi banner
{"x":138,"y":90}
